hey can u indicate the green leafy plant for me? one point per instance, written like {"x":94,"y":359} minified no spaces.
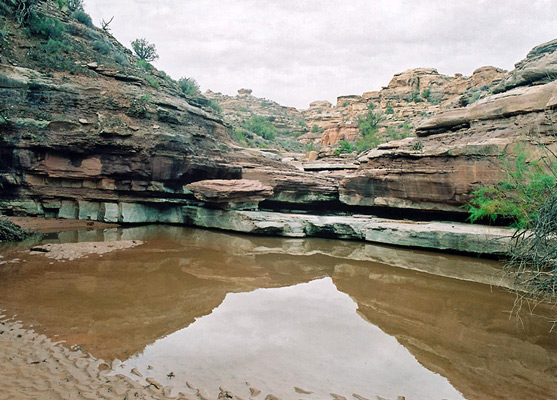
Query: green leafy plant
{"x":144,"y":65}
{"x":416,"y":97}
{"x":215,"y":106}
{"x":345,"y":147}
{"x":189,"y":86}
{"x":261,"y":127}
{"x":144,"y":50}
{"x":83,"y":17}
{"x":48,"y":28}
{"x":369,"y":126}
{"x":519,"y":196}
{"x":426,"y":93}
{"x":102,"y":46}
{"x":526,"y":197}
{"x":151,"y":80}
{"x":389,"y":109}
{"x":139,"y":107}
{"x":316,"y":129}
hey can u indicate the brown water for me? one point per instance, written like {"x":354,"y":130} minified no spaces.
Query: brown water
{"x":326,"y":316}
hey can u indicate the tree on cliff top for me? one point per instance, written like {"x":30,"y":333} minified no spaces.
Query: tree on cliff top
{"x":145,"y":50}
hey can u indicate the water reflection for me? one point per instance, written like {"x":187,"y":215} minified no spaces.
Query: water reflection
{"x":308,"y":335}
{"x":118,"y":305}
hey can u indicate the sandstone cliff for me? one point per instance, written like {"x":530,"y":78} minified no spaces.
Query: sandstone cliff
{"x":460,"y":149}
{"x":409,"y":98}
{"x":90,"y":132}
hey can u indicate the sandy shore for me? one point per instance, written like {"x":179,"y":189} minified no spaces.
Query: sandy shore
{"x":33,"y":367}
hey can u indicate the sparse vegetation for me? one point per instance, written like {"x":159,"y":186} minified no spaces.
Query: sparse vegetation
{"x":139,"y":107}
{"x":526,"y":198}
{"x":369,"y":125}
{"x":74,"y":5}
{"x":46,"y":27}
{"x":12,"y":232}
{"x":102,"y":46}
{"x":316,"y":129}
{"x":416,"y":97}
{"x":189,"y":86}
{"x":261,"y":127}
{"x":144,"y":50}
{"x":83,"y":17}
{"x":426,"y":93}
{"x":345,"y":147}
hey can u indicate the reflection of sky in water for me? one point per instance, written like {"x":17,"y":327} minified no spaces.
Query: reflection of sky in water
{"x":308,"y":335}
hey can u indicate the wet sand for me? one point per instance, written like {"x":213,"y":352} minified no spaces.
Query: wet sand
{"x":34,"y":367}
{"x":46,"y":225}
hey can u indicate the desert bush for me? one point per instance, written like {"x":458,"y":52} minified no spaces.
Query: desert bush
{"x":139,"y":107}
{"x":215,"y":106}
{"x":102,"y":46}
{"x":189,"y":86}
{"x":144,"y":50}
{"x":151,"y":80}
{"x":345,"y":147}
{"x":74,"y":5}
{"x":83,"y":17}
{"x":12,"y":232}
{"x":121,"y":58}
{"x":369,"y":125}
{"x":261,"y":127}
{"x":526,"y":198}
{"x":48,"y":28}
{"x":144,"y":65}
{"x":519,"y":196}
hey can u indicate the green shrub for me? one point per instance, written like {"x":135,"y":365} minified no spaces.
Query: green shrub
{"x":48,"y":28}
{"x":215,"y":106}
{"x":83,"y":17}
{"x":189,"y":86}
{"x":74,"y":5}
{"x":152,"y":81}
{"x":102,"y":46}
{"x":426,"y":94}
{"x":55,"y":47}
{"x":519,"y":196}
{"x":389,"y":109}
{"x":416,"y":97}
{"x":144,"y":50}
{"x":316,"y":129}
{"x":138,"y":107}
{"x":144,"y":65}
{"x":261,"y":127}
{"x":345,"y":147}
{"x":121,"y":58}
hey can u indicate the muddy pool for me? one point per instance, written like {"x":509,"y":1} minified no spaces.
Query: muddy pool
{"x":207,"y":309}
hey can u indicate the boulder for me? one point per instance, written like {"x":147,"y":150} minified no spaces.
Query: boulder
{"x":539,"y":66}
{"x":231,"y":194}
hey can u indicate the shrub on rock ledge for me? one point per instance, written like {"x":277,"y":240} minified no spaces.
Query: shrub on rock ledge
{"x":11,"y":232}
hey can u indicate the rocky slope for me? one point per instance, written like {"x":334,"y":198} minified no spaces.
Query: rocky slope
{"x":91,"y":132}
{"x":458,"y":150}
{"x":410,"y":97}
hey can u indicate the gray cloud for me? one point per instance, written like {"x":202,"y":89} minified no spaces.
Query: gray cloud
{"x":297,"y":51}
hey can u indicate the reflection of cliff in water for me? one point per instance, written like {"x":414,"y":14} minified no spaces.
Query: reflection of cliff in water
{"x":114,"y":306}
{"x":460,"y":330}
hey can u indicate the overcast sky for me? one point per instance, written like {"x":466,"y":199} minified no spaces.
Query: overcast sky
{"x":298,"y":51}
